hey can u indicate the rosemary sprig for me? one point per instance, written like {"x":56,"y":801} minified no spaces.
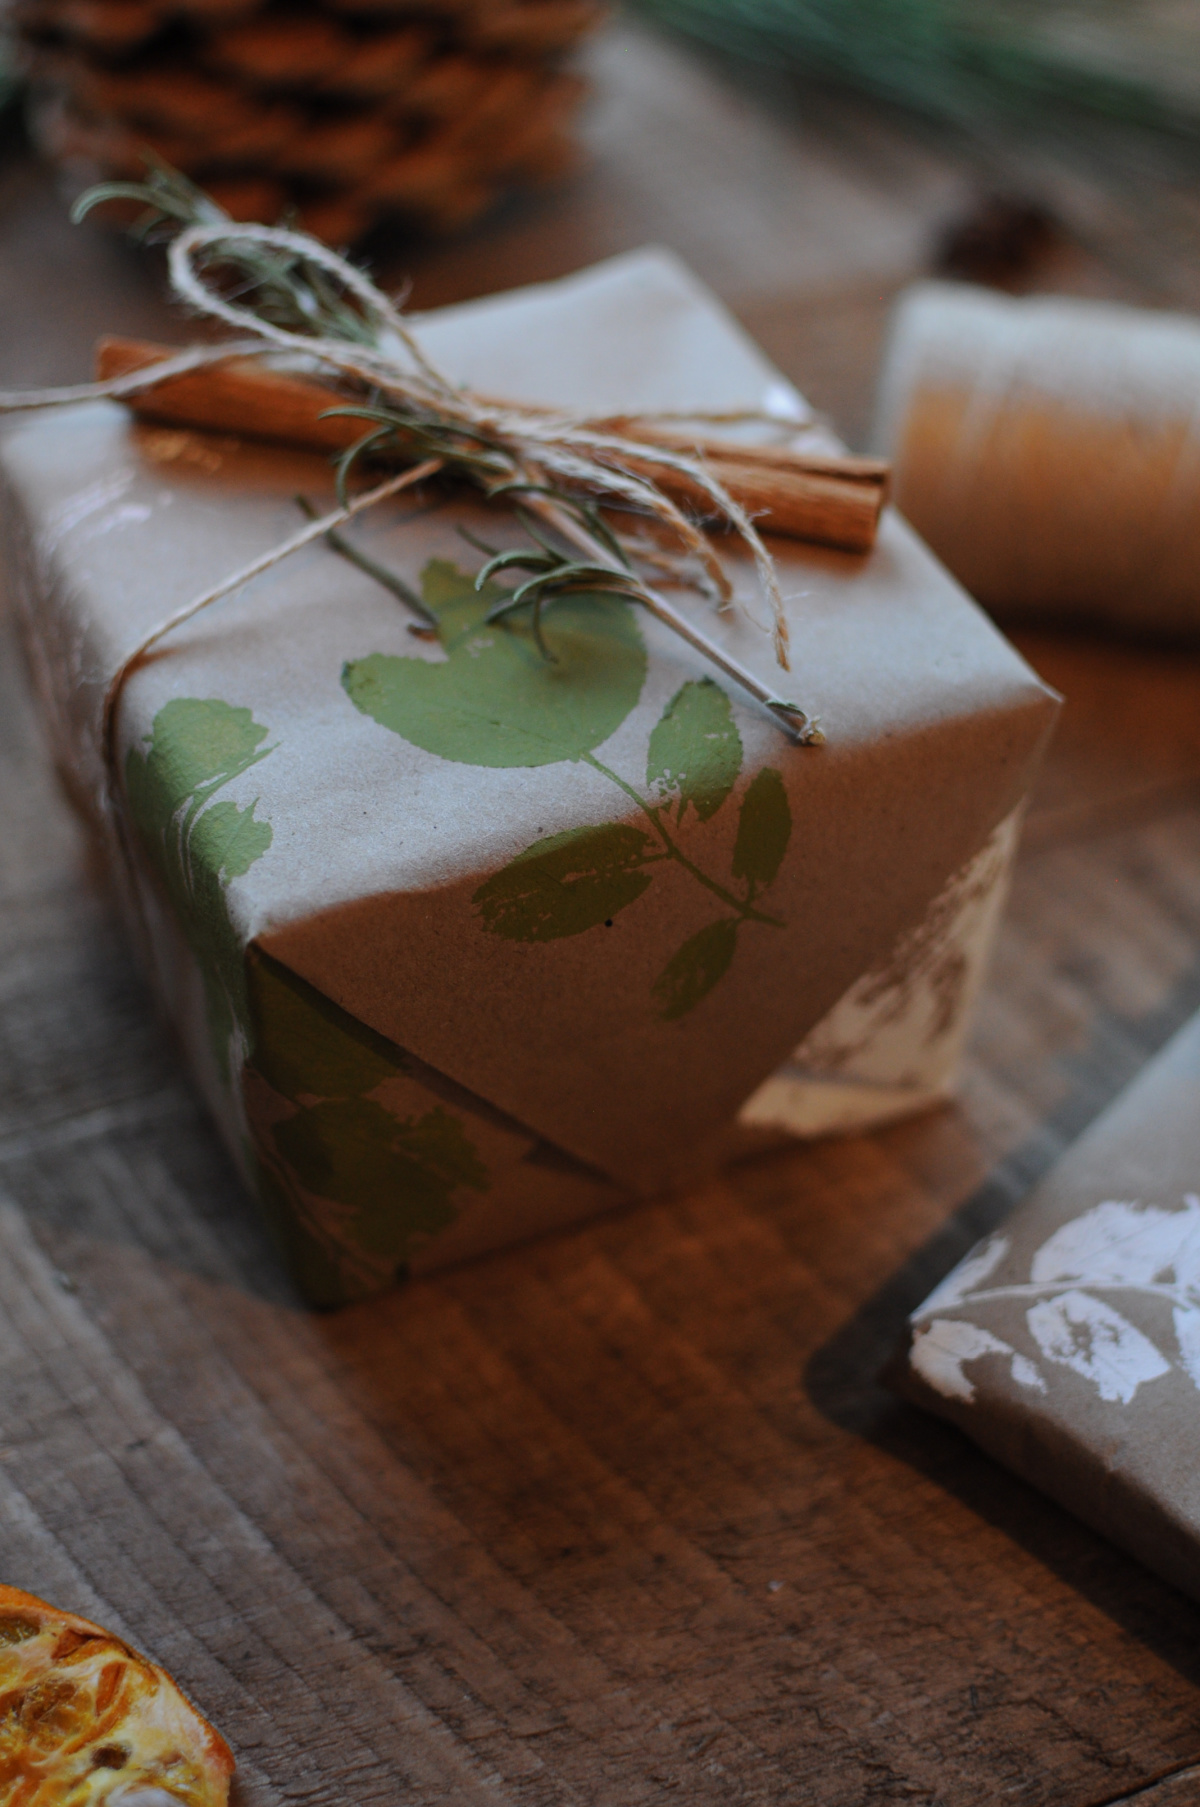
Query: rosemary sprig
{"x":556,"y":471}
{"x":606,"y":567}
{"x":556,"y":573}
{"x":289,"y":290}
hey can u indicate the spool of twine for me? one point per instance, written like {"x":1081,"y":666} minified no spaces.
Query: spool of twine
{"x":1048,"y":450}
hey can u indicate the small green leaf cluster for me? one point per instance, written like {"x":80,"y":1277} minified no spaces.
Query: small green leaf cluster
{"x":494,"y":700}
{"x":585,"y":877}
{"x":196,"y":845}
{"x":356,"y":1188}
{"x":382,"y":1184}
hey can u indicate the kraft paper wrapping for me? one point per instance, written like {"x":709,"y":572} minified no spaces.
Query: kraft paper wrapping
{"x":443,"y":979}
{"x":1068,"y":1344}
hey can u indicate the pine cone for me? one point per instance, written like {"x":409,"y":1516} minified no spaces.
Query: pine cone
{"x":337,"y":112}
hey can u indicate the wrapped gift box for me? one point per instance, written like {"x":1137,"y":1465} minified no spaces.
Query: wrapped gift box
{"x":1068,"y":1343}
{"x":463,"y":944}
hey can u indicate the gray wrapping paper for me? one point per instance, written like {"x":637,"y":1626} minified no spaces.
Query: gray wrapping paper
{"x":1068,"y":1343}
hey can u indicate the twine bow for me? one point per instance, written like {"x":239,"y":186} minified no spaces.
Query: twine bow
{"x":556,"y":467}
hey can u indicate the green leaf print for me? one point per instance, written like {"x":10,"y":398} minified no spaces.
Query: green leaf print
{"x":352,"y":1188}
{"x":764,"y":830}
{"x":493,"y":700}
{"x":696,"y":750}
{"x":226,"y":840}
{"x":398,"y":1176}
{"x":691,"y":974}
{"x":197,"y":745}
{"x":566,"y":884}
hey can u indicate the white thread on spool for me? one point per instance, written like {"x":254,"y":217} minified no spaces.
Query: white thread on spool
{"x":1049,"y":451}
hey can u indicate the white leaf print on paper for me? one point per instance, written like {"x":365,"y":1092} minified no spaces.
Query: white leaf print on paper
{"x":941,"y":1348}
{"x":1119,"y":1247}
{"x":1125,"y":1244}
{"x":1089,"y":1336}
{"x":967,"y":1276}
{"x":1025,"y":1374}
{"x":1187,"y":1335}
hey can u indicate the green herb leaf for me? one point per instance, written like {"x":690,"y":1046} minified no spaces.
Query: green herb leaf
{"x":691,"y":974}
{"x":566,"y":884}
{"x":494,"y":700}
{"x":764,"y":829}
{"x":398,"y":1176}
{"x":696,"y":750}
{"x":196,"y":745}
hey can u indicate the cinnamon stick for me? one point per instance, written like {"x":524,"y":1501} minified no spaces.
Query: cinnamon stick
{"x":832,"y":501}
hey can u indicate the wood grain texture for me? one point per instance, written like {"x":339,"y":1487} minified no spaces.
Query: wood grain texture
{"x":622,"y":1516}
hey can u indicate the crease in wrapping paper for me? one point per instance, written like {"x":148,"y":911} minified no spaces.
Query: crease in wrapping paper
{"x":353,"y":855}
{"x":1067,"y":1344}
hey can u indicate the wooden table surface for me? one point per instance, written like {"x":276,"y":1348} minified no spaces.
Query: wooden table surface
{"x":623,"y":1515}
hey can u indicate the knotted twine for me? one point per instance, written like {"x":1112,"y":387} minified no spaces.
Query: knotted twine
{"x":537,"y":450}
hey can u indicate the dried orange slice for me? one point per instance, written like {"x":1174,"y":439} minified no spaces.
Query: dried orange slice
{"x":86,"y":1721}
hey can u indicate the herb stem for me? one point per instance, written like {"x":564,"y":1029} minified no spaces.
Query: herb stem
{"x":674,"y":852}
{"x":788,"y":716}
{"x":264,"y":562}
{"x":389,"y":579}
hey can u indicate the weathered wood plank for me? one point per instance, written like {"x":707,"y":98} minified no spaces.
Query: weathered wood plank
{"x":624,"y":1512}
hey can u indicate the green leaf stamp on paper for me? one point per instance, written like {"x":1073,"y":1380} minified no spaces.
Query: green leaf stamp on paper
{"x":353,"y":1189}
{"x":195,"y":747}
{"x":354,"y":1186}
{"x":764,"y":830}
{"x":494,"y":700}
{"x":691,"y":974}
{"x":695,"y":751}
{"x":566,"y":884}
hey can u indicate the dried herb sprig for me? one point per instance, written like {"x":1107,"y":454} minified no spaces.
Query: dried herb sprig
{"x":289,"y":290}
{"x":287,"y":293}
{"x":608,"y":563}
{"x":426,"y":624}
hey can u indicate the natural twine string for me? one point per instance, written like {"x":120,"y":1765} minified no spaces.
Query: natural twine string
{"x":313,"y":531}
{"x":541,"y":449}
{"x":540,"y":443}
